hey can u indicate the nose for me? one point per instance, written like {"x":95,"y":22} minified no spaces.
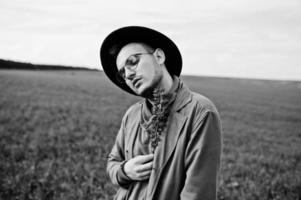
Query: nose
{"x":129,"y":74}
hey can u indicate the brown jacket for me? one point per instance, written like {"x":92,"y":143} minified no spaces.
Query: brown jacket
{"x":187,"y":160}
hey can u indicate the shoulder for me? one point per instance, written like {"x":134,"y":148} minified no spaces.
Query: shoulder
{"x":196,"y":101}
{"x":133,"y":111}
{"x":196,"y":105}
{"x":202,"y":103}
{"x":202,"y":109}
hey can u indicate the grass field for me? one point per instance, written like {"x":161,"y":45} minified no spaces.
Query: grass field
{"x":57,"y":127}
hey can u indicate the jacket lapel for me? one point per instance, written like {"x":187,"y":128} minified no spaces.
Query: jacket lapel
{"x":168,"y":143}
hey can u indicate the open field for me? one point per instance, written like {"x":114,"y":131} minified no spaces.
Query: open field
{"x":56,"y":128}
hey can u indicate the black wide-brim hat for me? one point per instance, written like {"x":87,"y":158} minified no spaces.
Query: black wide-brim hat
{"x":115,"y":41}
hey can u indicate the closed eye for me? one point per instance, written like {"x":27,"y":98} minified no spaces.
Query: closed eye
{"x":132,"y":61}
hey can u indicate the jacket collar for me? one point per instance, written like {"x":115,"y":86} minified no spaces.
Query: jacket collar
{"x":183,"y":97}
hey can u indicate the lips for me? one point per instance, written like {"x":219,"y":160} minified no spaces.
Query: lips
{"x":136,"y":82}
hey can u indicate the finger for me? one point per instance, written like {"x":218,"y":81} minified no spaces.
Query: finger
{"x":144,"y":175}
{"x":145,"y":158}
{"x":146,"y":166}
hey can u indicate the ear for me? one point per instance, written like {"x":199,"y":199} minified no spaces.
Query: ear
{"x":159,"y":55}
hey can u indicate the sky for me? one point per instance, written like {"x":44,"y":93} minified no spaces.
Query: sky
{"x":233,"y":38}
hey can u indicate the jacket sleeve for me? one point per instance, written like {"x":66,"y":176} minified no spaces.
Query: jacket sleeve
{"x":202,"y":159}
{"x":116,"y":158}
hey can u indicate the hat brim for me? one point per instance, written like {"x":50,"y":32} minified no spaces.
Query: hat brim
{"x":130,"y":34}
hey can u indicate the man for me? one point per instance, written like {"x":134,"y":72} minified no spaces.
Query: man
{"x":169,"y":143}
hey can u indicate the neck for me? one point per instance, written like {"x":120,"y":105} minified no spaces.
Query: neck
{"x":164,"y":87}
{"x":165,"y":84}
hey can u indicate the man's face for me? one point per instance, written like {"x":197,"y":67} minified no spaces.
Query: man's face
{"x":146,"y":73}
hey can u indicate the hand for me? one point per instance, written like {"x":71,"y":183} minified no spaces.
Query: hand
{"x":139,"y":168}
